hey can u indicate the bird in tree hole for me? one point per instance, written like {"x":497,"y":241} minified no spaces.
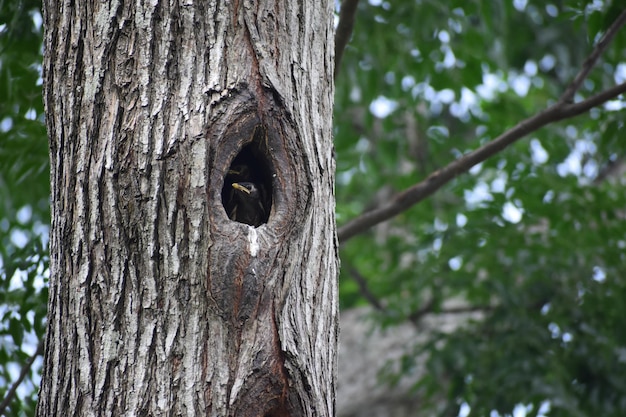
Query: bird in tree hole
{"x":247,"y":201}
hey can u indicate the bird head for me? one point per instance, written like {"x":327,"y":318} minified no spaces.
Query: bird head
{"x":245,"y":204}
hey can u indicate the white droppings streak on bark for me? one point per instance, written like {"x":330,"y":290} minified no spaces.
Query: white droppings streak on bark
{"x":253,"y":240}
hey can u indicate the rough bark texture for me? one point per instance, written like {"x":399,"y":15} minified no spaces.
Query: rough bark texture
{"x":159,"y":303}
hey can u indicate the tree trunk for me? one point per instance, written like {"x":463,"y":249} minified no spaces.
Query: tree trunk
{"x":161,"y":301}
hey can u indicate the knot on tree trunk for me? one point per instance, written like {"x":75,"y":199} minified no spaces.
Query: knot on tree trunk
{"x":257,"y":202}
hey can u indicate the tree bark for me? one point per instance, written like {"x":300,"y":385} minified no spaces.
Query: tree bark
{"x":160,"y":304}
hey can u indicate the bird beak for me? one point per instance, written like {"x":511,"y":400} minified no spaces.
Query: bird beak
{"x":240,"y":187}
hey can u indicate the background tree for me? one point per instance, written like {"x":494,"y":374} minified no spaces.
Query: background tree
{"x":531,"y":239}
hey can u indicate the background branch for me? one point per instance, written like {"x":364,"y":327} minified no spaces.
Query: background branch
{"x":364,"y":289}
{"x":25,"y":369}
{"x":344,"y":30}
{"x":591,"y":60}
{"x":429,"y":308}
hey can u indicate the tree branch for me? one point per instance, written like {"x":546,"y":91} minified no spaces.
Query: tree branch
{"x":591,"y":60}
{"x":344,"y":30}
{"x":364,"y":289}
{"x":613,"y":168}
{"x":562,"y":109}
{"x":428,"y":309}
{"x":25,"y":369}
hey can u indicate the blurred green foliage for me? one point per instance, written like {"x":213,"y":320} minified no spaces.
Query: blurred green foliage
{"x":546,"y":275}
{"x":24,"y":171}
{"x":24,"y":206}
{"x":533,"y":238}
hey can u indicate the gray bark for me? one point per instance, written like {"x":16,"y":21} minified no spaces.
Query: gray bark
{"x":159,"y":303}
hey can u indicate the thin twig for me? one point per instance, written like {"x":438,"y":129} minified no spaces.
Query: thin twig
{"x":344,"y":30}
{"x":416,"y":316}
{"x":611,"y":169}
{"x":25,"y":369}
{"x":364,"y":289}
{"x":591,"y":60}
{"x":562,"y":109}
{"x":428,"y":309}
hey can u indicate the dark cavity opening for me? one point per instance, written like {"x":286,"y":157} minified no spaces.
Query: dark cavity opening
{"x":247,"y":191}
